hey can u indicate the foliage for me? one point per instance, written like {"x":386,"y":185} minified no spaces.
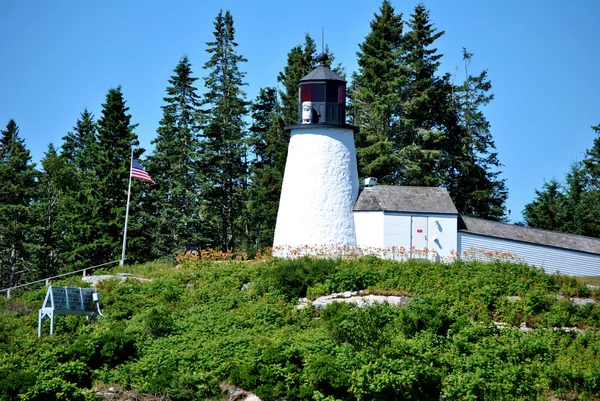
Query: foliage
{"x":204,"y":323}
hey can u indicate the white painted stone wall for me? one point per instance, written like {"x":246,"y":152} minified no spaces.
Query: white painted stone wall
{"x":396,"y":230}
{"x":369,"y":228}
{"x":382,"y":229}
{"x":320,"y":187}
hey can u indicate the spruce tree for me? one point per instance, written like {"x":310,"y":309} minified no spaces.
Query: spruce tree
{"x":591,"y":162}
{"x":223,"y":147}
{"x":79,"y":146}
{"x":301,"y":60}
{"x":53,"y":213}
{"x":421,"y":137}
{"x":375,"y":97}
{"x":546,"y":210}
{"x":80,"y":152}
{"x":174,"y":204}
{"x":268,"y":143}
{"x":115,"y":140}
{"x":18,"y":190}
{"x":572,"y":207}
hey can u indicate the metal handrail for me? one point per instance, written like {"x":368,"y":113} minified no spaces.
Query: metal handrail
{"x":47,"y":280}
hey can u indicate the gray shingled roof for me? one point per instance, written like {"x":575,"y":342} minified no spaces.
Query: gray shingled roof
{"x":405,"y":199}
{"x":322,"y":73}
{"x":527,"y":234}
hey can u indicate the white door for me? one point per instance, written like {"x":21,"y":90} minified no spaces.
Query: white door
{"x":419,"y":236}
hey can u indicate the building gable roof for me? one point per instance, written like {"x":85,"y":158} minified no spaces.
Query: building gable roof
{"x":405,"y":199}
{"x":528,"y":234}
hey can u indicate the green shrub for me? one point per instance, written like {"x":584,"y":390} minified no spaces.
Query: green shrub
{"x":426,"y":313}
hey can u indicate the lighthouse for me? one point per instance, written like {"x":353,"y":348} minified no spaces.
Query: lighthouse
{"x":320,"y":183}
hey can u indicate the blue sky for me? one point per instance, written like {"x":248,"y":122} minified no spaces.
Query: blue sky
{"x":542,"y":57}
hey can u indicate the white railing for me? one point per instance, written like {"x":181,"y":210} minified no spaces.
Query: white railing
{"x":49,"y":279}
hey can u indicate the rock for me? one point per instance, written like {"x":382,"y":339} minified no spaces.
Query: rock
{"x":238,"y":394}
{"x":353,"y":297}
{"x":103,"y":277}
{"x":582,"y":301}
{"x":523,"y":327}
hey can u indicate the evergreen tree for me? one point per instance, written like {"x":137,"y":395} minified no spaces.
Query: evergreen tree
{"x":375,"y":97}
{"x":301,"y":60}
{"x":268,"y":143}
{"x":472,"y":165}
{"x":174,"y":203}
{"x":80,"y":153}
{"x":591,"y":162}
{"x":79,"y":147}
{"x":223,"y":148}
{"x":420,"y":137}
{"x":547,"y":209}
{"x":52,"y":212}
{"x":18,"y":190}
{"x":115,"y":140}
{"x":573,"y":207}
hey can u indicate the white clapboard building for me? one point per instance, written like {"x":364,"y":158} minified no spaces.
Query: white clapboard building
{"x":321,"y":207}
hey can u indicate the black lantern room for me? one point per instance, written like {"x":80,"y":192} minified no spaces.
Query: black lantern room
{"x":322,"y":97}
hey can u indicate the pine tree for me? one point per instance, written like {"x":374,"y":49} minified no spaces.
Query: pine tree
{"x":223,"y":148}
{"x":174,"y":203}
{"x":268,"y":144}
{"x":18,"y":190}
{"x":115,"y":140}
{"x":375,"y":97}
{"x":472,"y":165}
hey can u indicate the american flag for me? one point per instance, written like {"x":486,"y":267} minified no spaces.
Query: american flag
{"x":137,"y":171}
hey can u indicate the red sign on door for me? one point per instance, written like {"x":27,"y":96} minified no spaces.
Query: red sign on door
{"x":419,"y":230}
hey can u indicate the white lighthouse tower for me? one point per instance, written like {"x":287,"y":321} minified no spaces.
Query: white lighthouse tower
{"x":320,"y":183}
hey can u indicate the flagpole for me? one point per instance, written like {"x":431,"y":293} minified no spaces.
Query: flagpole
{"x":127,"y":212}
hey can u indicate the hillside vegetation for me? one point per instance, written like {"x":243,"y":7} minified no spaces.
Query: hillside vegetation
{"x":207,"y":323}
